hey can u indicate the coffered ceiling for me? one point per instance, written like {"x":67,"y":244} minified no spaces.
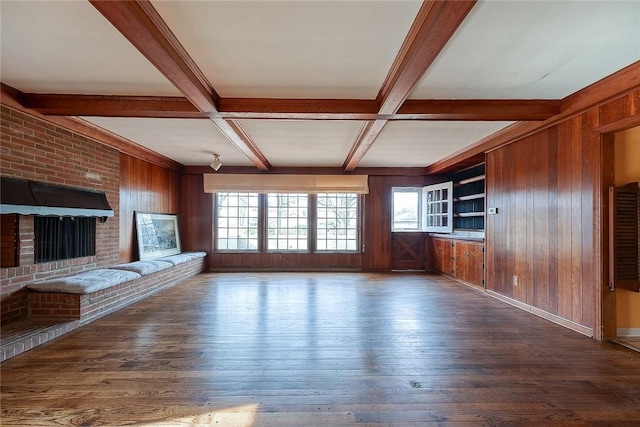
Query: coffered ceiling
{"x":310,"y":83}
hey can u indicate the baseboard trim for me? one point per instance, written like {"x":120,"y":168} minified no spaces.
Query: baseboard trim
{"x":284,"y":269}
{"x":541,"y":313}
{"x":628,"y":332}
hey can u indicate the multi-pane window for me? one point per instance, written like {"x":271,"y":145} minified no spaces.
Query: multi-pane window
{"x":437,"y":212}
{"x":237,"y":221}
{"x":337,"y":222}
{"x":423,"y":208}
{"x":279,"y":222}
{"x":287,"y":221}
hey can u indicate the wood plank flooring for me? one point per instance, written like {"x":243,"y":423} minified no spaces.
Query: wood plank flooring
{"x":322,"y":349}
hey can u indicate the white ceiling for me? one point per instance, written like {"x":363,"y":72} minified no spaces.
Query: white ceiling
{"x":308,"y":49}
{"x":427,"y":141}
{"x":173,"y":137}
{"x":534,"y":49}
{"x":292,"y":49}
{"x":68,"y":47}
{"x":290,"y":142}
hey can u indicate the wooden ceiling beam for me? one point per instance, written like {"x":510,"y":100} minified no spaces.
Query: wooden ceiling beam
{"x":619,"y":84}
{"x":367,"y":136}
{"x":290,"y":109}
{"x":14,"y":99}
{"x":143,"y":26}
{"x":477,"y":109}
{"x":112,"y":106}
{"x":301,"y":109}
{"x":239,"y":137}
{"x":434,"y":25}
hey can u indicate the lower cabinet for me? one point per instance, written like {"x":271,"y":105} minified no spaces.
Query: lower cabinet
{"x":460,"y":259}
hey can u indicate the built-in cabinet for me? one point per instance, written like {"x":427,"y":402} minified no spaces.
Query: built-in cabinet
{"x":469,"y":198}
{"x":460,"y":254}
{"x":461,"y":259}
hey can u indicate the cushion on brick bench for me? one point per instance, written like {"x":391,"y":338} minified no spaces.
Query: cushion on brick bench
{"x":143,"y":267}
{"x":183,"y":257}
{"x":85,"y":282}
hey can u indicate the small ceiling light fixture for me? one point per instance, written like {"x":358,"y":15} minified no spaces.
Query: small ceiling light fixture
{"x":215,"y":165}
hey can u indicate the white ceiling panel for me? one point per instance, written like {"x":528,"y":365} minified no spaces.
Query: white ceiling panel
{"x":534,"y":49}
{"x":69,"y":47}
{"x":304,"y":143}
{"x":419,"y":144}
{"x":191,"y":142}
{"x":292,"y":49}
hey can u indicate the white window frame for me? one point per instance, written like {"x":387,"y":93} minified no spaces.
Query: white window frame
{"x":347,"y":234}
{"x":354,"y":225}
{"x":236,"y":227}
{"x":437,"y":208}
{"x":435,"y":212}
{"x":295,"y":238}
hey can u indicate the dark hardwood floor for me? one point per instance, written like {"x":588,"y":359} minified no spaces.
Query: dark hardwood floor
{"x":319,"y":349}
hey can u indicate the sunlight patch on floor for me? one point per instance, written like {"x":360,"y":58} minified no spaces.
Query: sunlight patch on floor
{"x":238,"y":416}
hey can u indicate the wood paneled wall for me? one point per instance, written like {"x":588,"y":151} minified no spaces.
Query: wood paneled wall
{"x":551,"y":227}
{"x":197,"y":213}
{"x":198,"y":232}
{"x":144,"y":187}
{"x":377,"y":225}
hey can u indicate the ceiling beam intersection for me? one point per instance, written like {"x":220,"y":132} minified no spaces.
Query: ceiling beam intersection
{"x":432,"y":28}
{"x":290,"y":109}
{"x":143,"y":26}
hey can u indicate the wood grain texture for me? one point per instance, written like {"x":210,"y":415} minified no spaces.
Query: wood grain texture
{"x":622,"y":86}
{"x":377,"y":218}
{"x":367,"y":136}
{"x":434,"y":25}
{"x":441,"y":255}
{"x":477,"y":109}
{"x":321,"y":349}
{"x":376,"y":237}
{"x":289,"y":109}
{"x":546,"y":206}
{"x":148,"y":188}
{"x":111,"y":106}
{"x":407,"y":251}
{"x":234,"y":131}
{"x":462,"y":260}
{"x":469,"y":262}
{"x":550,"y":187}
{"x":14,"y":99}
{"x":143,"y":26}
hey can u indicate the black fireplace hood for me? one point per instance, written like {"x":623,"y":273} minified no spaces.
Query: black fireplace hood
{"x":18,"y":196}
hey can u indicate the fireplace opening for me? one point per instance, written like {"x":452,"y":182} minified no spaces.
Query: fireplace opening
{"x":58,"y":238}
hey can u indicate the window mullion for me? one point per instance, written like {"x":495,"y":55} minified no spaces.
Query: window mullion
{"x":312,"y":222}
{"x":262,"y":223}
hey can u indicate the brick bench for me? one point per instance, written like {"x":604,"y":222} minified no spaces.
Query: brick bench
{"x":60,"y":305}
{"x":95,"y":293}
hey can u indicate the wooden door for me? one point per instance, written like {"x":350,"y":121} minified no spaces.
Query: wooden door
{"x":407,"y":251}
{"x":441,"y":255}
{"x":469,"y":262}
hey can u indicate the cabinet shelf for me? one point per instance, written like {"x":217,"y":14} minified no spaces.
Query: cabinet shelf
{"x":469,"y":180}
{"x":470,"y":197}
{"x":468,"y":214}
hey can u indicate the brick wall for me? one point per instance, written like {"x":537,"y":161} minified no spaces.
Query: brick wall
{"x":35,"y":150}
